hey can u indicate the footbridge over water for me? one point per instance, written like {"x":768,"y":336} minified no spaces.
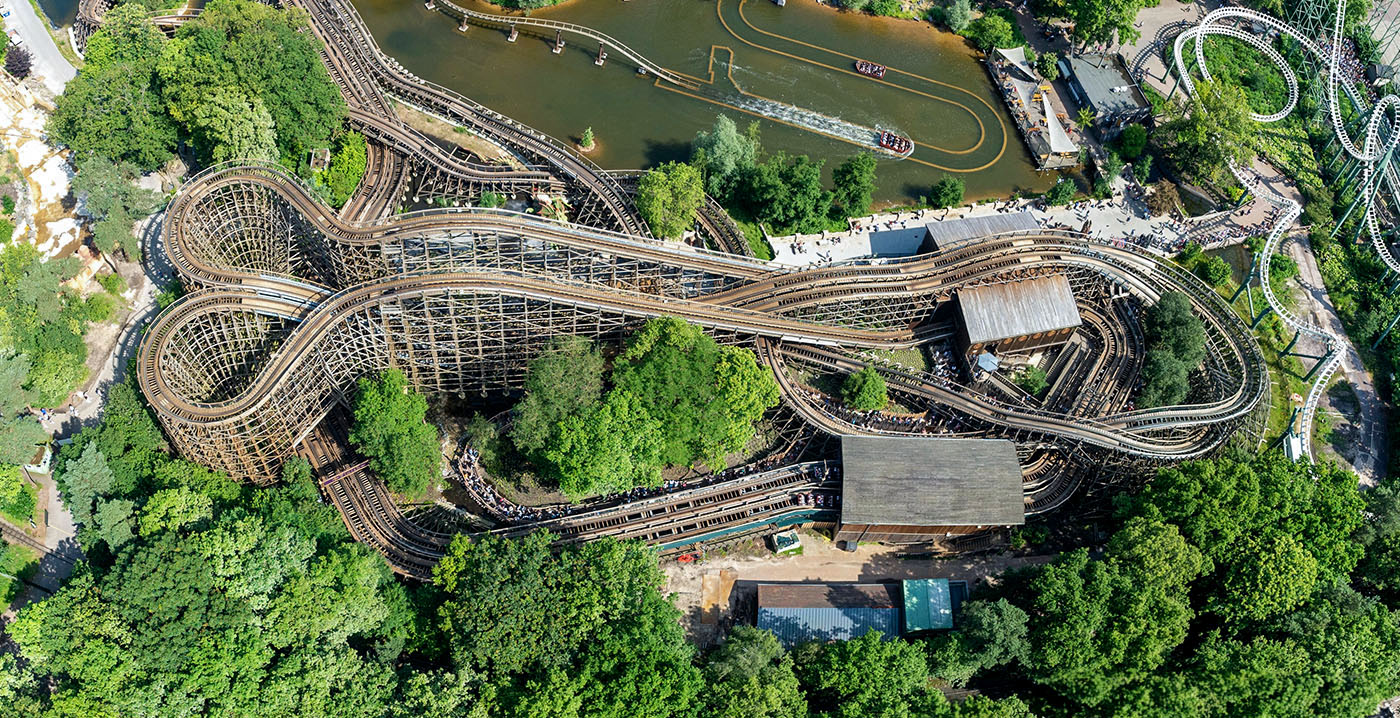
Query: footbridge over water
{"x":512,"y":21}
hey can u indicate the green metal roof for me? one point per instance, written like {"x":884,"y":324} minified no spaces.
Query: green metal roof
{"x":928,"y":605}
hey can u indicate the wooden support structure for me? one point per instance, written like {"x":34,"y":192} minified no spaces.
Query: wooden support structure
{"x":558,"y":41}
{"x":602,"y":56}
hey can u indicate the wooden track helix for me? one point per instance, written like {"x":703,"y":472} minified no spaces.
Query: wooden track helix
{"x":298,"y":304}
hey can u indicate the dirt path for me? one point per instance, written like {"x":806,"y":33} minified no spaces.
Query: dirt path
{"x":1370,"y":459}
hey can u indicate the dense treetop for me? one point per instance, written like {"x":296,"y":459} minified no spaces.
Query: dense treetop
{"x":244,"y":80}
{"x":676,"y":398}
{"x":389,"y":428}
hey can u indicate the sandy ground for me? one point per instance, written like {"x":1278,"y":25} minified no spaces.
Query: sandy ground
{"x":718,"y":591}
{"x":433,"y":127}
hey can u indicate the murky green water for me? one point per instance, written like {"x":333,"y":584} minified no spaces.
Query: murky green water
{"x":751,"y":55}
{"x":59,"y":12}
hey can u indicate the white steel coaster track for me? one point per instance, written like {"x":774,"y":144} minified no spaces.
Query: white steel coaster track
{"x":1370,"y":152}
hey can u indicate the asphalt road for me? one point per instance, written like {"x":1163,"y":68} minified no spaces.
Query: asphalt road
{"x":49,"y":63}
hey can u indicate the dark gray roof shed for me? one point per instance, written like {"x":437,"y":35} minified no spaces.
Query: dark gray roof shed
{"x":1106,"y":84}
{"x":949,"y":233}
{"x":918,"y":481}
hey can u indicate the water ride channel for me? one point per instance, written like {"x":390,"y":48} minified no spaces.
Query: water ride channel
{"x":793,"y":68}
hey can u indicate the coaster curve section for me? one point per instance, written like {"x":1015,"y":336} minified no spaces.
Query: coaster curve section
{"x":1371,"y":150}
{"x":298,"y":303}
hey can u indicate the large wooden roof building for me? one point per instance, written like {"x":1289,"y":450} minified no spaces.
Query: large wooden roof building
{"x":1019,"y":316}
{"x":915,"y":490}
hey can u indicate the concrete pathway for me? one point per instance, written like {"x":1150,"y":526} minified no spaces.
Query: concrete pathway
{"x":49,"y":63}
{"x":1370,"y":462}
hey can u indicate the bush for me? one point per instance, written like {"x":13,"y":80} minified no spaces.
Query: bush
{"x":1032,"y":379}
{"x":113,"y":283}
{"x":1216,"y":271}
{"x":947,"y":192}
{"x":1132,"y":141}
{"x":491,"y":200}
{"x":957,"y":15}
{"x":7,"y":230}
{"x":18,"y":62}
{"x":991,"y":31}
{"x":8,"y":203}
{"x":865,"y":390}
{"x":887,"y":8}
{"x":1061,"y":193}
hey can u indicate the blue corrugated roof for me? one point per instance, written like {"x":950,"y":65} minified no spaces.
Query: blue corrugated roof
{"x":795,"y":625}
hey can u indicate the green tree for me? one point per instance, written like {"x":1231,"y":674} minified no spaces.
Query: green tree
{"x":868,"y":677}
{"x":990,"y":31}
{"x":109,"y":195}
{"x":865,"y":390}
{"x":1216,"y":271}
{"x":586,"y":626}
{"x":705,"y":397}
{"x":787,"y":193}
{"x":724,"y":155}
{"x":1096,"y":626}
{"x":346,"y":168}
{"x":958,"y":14}
{"x":20,"y":437}
{"x":228,"y":125}
{"x":174,"y":509}
{"x":1270,"y":578}
{"x":1060,"y":194}
{"x":668,"y":198}
{"x":854,"y":184}
{"x":565,"y":380}
{"x":140,"y":133}
{"x":947,"y":192}
{"x":389,"y":428}
{"x":587,"y":140}
{"x":1047,"y":64}
{"x":613,"y":447}
{"x":1379,"y":570}
{"x":14,"y":374}
{"x":1166,"y":380}
{"x":1222,"y":504}
{"x":1171,"y":324}
{"x":1210,"y":132}
{"x":990,"y":634}
{"x":260,"y":54}
{"x":751,"y":676}
{"x":1132,"y":141}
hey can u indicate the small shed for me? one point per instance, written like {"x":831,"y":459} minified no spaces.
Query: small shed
{"x":1016,"y":316}
{"x":901,"y":489}
{"x":799,"y":612}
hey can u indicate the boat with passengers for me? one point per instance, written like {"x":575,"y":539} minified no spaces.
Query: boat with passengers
{"x":895,"y":143}
{"x":870,"y":69}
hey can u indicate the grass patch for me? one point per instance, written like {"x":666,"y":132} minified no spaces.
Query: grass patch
{"x":19,"y":562}
{"x":757,"y":244}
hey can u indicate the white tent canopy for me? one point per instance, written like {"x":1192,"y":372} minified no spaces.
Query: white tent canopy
{"x":1060,"y":142}
{"x":1017,"y":57}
